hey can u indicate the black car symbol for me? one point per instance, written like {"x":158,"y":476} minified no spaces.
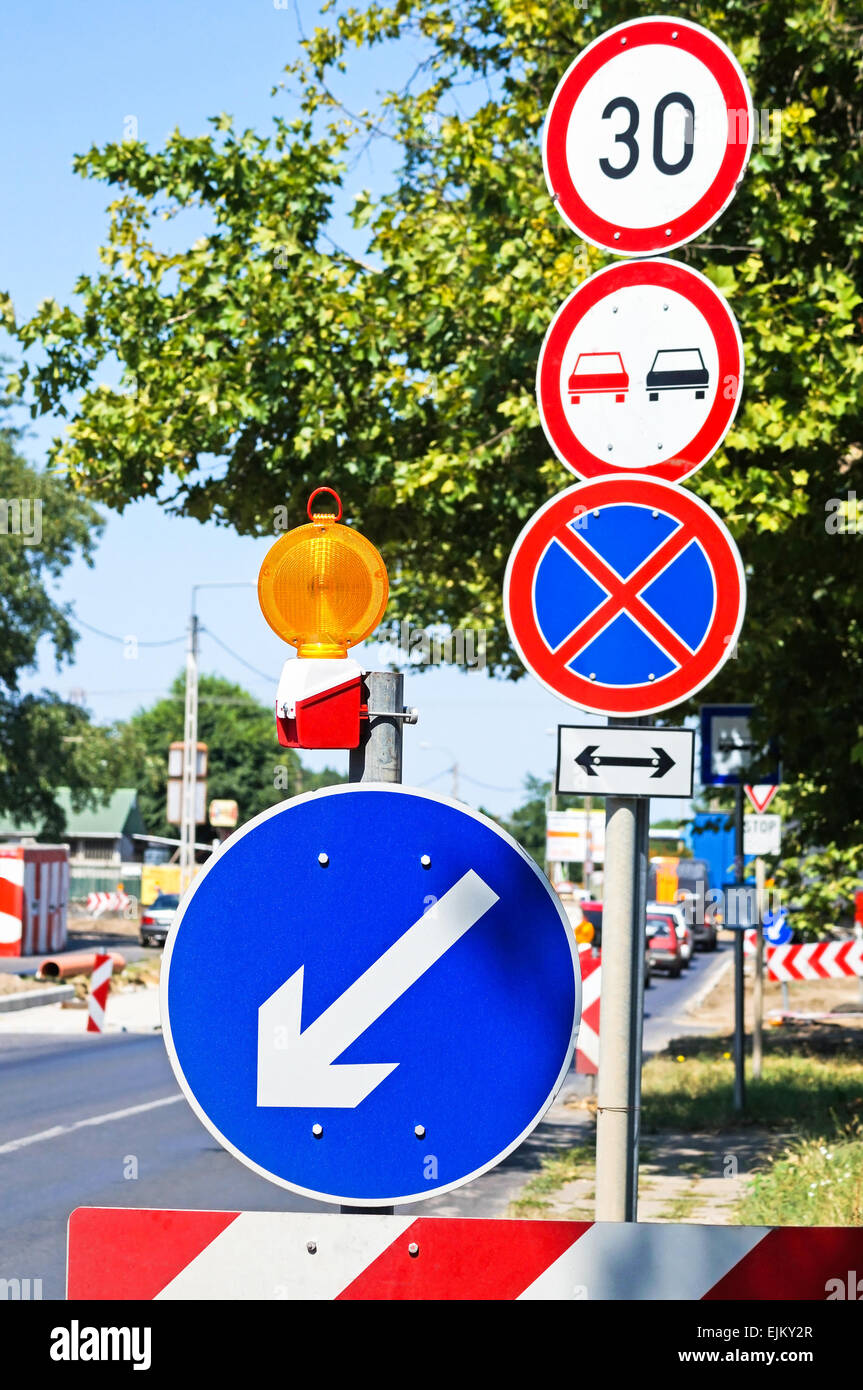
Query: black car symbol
{"x":677,"y":369}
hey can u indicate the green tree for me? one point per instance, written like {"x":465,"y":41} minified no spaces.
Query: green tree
{"x":527,"y":822}
{"x":405,"y":375}
{"x":45,"y":742}
{"x":246,"y":764}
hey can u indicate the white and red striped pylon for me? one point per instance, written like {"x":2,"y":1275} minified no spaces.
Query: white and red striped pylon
{"x":587,"y":1044}
{"x":816,"y":960}
{"x":100,"y":984}
{"x":122,"y":1253}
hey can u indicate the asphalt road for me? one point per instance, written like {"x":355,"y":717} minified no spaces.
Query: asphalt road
{"x":79,"y":1117}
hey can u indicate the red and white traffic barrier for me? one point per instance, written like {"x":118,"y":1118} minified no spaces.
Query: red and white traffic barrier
{"x":117,"y":1253}
{"x":816,"y":960}
{"x":34,"y":893}
{"x":100,"y":984}
{"x":587,"y":1044}
{"x":97,"y":903}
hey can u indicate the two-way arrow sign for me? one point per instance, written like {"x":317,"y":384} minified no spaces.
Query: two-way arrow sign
{"x":623,"y":761}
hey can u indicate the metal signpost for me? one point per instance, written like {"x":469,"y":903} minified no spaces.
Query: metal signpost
{"x":625,"y":594}
{"x":729,"y":753}
{"x":349,"y":1060}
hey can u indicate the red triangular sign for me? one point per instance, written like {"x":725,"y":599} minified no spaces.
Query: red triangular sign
{"x":761,"y":796}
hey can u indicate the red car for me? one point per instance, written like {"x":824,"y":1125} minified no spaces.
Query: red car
{"x":663,"y":945}
{"x":598,"y":373}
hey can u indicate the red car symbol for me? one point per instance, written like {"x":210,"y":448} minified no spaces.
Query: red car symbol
{"x":598,"y":373}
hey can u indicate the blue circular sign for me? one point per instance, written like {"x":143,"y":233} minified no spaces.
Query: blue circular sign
{"x":370,"y":994}
{"x":777,"y":932}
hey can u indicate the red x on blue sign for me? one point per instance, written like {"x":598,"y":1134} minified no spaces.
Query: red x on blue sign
{"x":624,"y":595}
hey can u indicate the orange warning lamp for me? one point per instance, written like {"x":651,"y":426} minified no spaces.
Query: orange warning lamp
{"x":323,"y":587}
{"x":584,"y":932}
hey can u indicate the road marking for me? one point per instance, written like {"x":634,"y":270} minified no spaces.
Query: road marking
{"x":57,"y":1130}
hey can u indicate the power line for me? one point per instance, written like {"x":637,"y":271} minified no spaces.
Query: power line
{"x":130,"y":637}
{"x":265,"y":676}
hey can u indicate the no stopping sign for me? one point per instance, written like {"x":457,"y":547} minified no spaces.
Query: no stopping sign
{"x":647,"y":136}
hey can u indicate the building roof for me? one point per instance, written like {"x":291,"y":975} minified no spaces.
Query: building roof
{"x":117,"y":816}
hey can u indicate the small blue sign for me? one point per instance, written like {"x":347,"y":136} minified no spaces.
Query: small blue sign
{"x":370,"y":994}
{"x":777,"y":931}
{"x":729,"y":754}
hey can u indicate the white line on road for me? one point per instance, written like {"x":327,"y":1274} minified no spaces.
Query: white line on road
{"x":58,"y":1130}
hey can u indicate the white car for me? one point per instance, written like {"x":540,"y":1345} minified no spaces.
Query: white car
{"x":681,"y":926}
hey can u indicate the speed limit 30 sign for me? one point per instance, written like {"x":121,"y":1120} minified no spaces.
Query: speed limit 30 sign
{"x":647,"y":136}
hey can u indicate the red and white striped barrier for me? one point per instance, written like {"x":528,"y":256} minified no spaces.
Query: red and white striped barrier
{"x":34,"y":892}
{"x":587,"y":1044}
{"x":97,"y":903}
{"x":100,"y":984}
{"x":816,"y":960}
{"x":117,"y":1253}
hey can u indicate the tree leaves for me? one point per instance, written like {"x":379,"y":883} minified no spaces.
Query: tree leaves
{"x":261,"y":359}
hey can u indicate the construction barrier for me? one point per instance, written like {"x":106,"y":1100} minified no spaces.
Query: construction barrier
{"x":587,"y":1043}
{"x":117,"y":1253}
{"x":100,"y":984}
{"x":97,"y":903}
{"x":34,"y":895}
{"x":818,"y":960}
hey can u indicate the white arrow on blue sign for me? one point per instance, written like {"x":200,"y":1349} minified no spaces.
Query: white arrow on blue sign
{"x":370,"y":994}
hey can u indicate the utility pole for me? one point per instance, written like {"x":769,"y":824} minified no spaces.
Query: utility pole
{"x":190,"y":757}
{"x":188,"y":811}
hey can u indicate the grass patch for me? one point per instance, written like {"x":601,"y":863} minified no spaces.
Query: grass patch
{"x":817,"y":1182}
{"x":557,"y":1170}
{"x":679,"y":1208}
{"x":812,"y":1094}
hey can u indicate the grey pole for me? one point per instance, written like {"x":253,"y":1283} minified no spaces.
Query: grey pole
{"x":379,"y":759}
{"x":739,"y":1022}
{"x":620,"y":1031}
{"x":379,"y":756}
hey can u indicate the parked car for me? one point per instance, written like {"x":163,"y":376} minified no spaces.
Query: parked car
{"x":677,"y":369}
{"x":674,"y":880}
{"x":674,"y":912}
{"x":157,"y":918}
{"x":663,"y":946}
{"x":598,"y":374}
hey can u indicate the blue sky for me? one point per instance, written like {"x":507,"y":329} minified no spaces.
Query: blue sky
{"x":71,"y":76}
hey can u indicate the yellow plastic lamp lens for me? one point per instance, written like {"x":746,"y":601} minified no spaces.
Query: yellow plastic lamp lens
{"x":584,"y":932}
{"x":323,"y":587}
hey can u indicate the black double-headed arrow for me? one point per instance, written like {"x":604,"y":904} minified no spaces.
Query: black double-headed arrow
{"x":588,"y":760}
